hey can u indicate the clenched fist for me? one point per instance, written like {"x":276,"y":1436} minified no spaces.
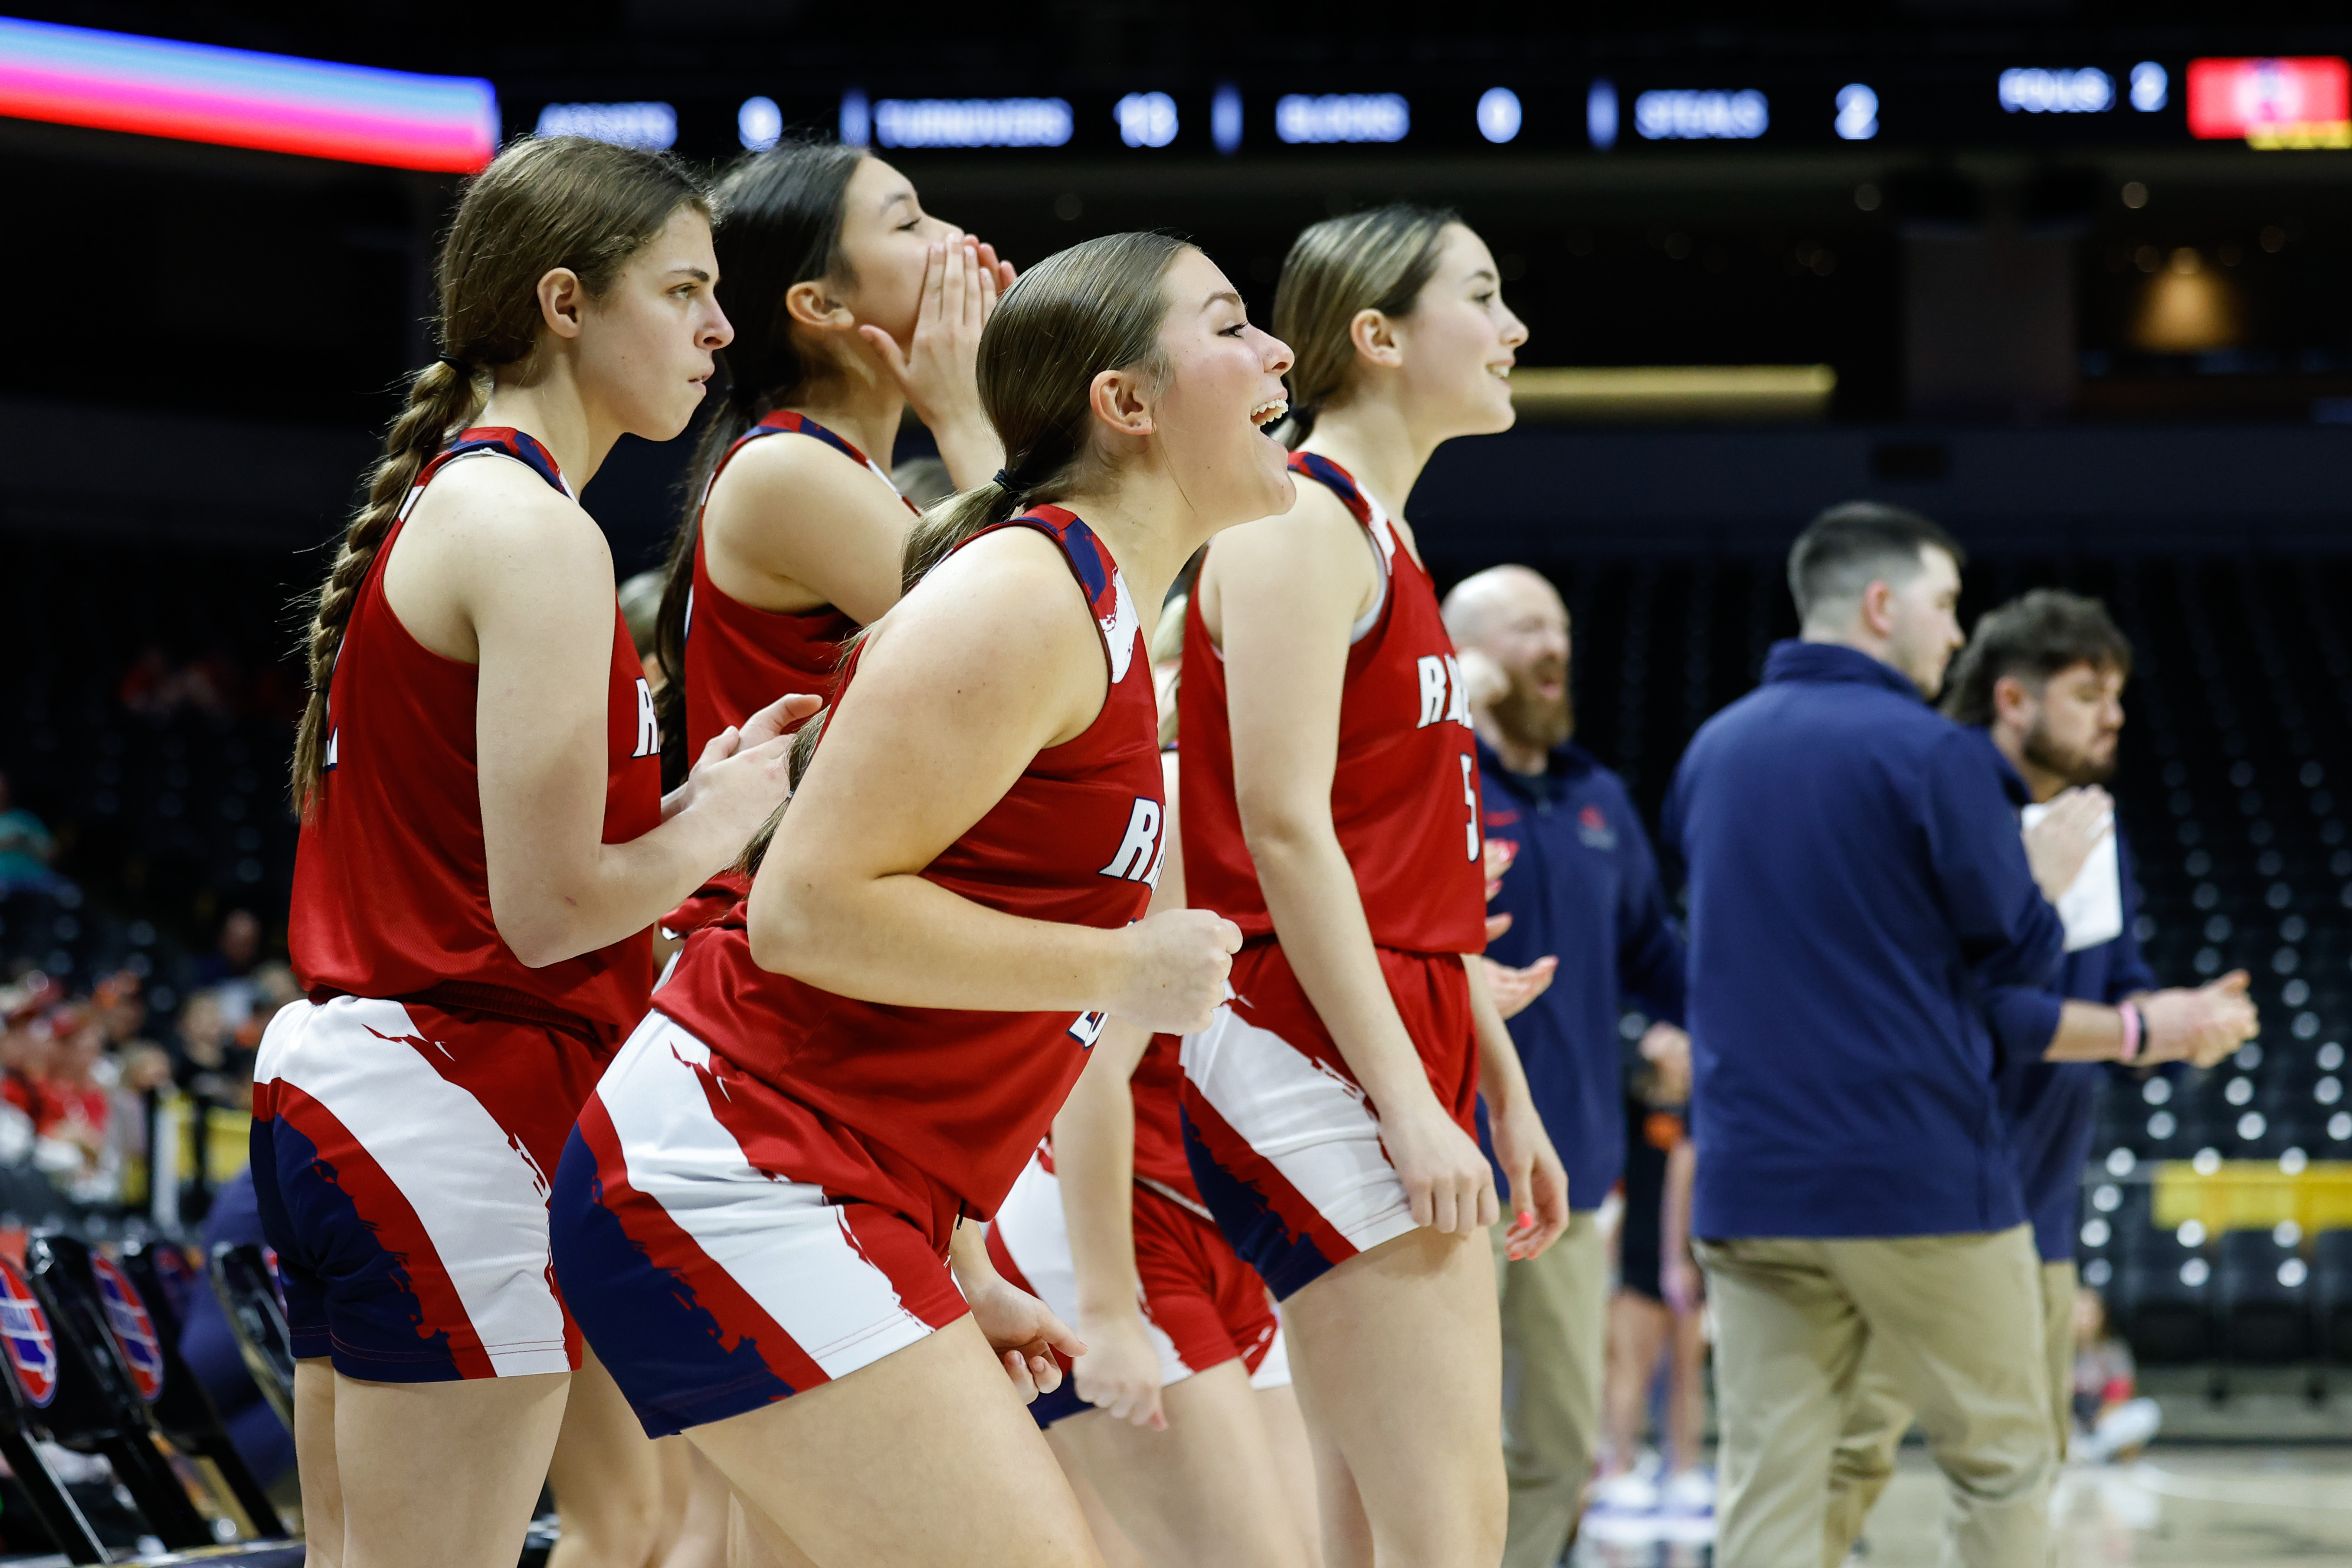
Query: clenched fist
{"x":1176,"y":973}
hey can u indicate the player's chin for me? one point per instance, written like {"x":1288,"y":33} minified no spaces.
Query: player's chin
{"x":1500,"y":412}
{"x":668,"y":420}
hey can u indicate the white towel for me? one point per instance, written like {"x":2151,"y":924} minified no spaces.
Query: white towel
{"x":2093,"y":908}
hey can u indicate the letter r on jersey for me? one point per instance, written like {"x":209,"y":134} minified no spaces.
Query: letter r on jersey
{"x":648,"y":727}
{"x":1432,"y":690}
{"x":1137,"y":859}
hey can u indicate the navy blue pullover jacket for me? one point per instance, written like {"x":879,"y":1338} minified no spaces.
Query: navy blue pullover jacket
{"x":2053,"y":1106}
{"x":1584,"y":889}
{"x":1857,"y":885}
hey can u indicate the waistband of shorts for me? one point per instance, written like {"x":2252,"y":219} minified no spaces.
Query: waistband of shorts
{"x":479,"y":997}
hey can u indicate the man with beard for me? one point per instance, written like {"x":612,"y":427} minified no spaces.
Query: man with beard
{"x":2043,"y":684}
{"x":1582,"y":894}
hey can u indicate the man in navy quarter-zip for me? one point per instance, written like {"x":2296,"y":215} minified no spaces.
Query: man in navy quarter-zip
{"x":1582,"y":894}
{"x":2042,"y":684}
{"x":1857,"y":887}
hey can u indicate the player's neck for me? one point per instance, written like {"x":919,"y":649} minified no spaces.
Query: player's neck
{"x":553,"y":410}
{"x":1373,"y":439}
{"x":856,"y":404}
{"x":1150,"y":529}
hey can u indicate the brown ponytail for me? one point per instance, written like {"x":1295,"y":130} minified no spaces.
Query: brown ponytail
{"x":545,"y":202}
{"x":779,"y":223}
{"x":1092,"y":308}
{"x":1377,"y":260}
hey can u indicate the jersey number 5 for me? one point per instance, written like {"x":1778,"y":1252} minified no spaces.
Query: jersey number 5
{"x":1470,"y":800}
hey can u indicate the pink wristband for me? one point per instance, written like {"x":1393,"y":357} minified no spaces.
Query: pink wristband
{"x":2134,"y":1029}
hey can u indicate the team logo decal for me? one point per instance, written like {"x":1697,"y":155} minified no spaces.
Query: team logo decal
{"x":24,"y":1336}
{"x":134,"y":1330}
{"x":1594,"y":829}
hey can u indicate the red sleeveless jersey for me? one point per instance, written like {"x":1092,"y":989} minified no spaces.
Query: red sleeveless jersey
{"x":1404,"y":794}
{"x":965,"y":1095}
{"x":739,"y":659}
{"x":391,"y":888}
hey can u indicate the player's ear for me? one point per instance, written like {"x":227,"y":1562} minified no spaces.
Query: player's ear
{"x":1119,"y":399}
{"x":1375,"y":337}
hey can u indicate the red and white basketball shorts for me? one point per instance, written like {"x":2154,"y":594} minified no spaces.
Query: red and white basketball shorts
{"x":401,"y":1156}
{"x":1203,"y":1306}
{"x":725,"y":1246}
{"x":1285,"y":1144}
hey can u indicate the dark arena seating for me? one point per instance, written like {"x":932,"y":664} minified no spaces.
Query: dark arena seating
{"x":149,"y":703}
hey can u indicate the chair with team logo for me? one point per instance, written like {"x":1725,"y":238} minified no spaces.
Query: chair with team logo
{"x":104,"y":1389}
{"x":246,"y":1281}
{"x":29,"y":1369}
{"x":139,"y":1301}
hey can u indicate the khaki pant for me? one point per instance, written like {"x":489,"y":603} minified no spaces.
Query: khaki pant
{"x":1555,"y":1312}
{"x":1958,"y":1320}
{"x":1877,"y":1417}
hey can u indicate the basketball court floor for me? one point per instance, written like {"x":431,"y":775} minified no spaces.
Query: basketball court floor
{"x":2176,"y":1506}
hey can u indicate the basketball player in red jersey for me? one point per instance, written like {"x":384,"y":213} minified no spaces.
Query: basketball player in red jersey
{"x":1331,"y":809}
{"x":484,"y":847}
{"x":854,"y":305}
{"x":1180,"y":1418}
{"x":761,"y":1217}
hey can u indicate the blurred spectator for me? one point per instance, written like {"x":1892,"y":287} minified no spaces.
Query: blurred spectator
{"x":205,"y":1040}
{"x":121,"y":1007}
{"x":26,"y":849}
{"x":74,"y":1110}
{"x":228,"y":969}
{"x":2110,"y":1421}
{"x":156,"y":688}
{"x":19,"y":1058}
{"x":272,"y":987}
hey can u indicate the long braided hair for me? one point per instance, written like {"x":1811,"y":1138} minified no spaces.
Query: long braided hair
{"x":545,"y":202}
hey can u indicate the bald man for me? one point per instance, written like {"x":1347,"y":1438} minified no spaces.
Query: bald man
{"x":1582,"y":889}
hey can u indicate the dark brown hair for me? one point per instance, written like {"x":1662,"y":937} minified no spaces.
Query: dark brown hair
{"x":2034,"y":636}
{"x":1377,"y":260}
{"x":1849,"y":547}
{"x":779,"y":223}
{"x":544,"y":202}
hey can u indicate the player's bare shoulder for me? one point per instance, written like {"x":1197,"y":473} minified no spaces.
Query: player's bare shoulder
{"x":1311,"y":558}
{"x":795,"y":473}
{"x":1007,"y":602}
{"x":489,"y":540}
{"x":488,"y":509}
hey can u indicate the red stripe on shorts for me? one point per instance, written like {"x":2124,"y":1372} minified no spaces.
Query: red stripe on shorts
{"x":1245,"y":1164}
{"x":740,"y":1317}
{"x":398,"y":1230}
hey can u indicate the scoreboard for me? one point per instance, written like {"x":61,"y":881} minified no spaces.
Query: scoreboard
{"x":1643,"y":109}
{"x":1646,"y":110}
